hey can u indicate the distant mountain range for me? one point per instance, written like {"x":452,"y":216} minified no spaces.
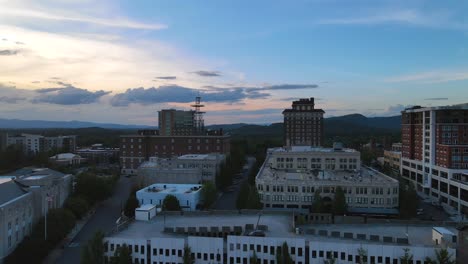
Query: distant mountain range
{"x":341,"y":125}
{"x":26,"y":124}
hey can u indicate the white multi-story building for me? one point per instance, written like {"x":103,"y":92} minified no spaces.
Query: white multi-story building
{"x":189,"y":168}
{"x":291,"y":176}
{"x":37,"y":143}
{"x":187,"y":194}
{"x":16,"y":215}
{"x":435,"y":153}
{"x":227,"y":238}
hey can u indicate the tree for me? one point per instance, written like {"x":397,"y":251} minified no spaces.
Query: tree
{"x":209,"y":194}
{"x":93,"y":251}
{"x":362,"y":255}
{"x":442,"y":257}
{"x":253,"y":259}
{"x":339,"y":202}
{"x":253,"y":201}
{"x":243,"y":196}
{"x":317,"y":204}
{"x":407,"y":258}
{"x":171,"y":203}
{"x":187,"y":258}
{"x":131,"y":204}
{"x":122,"y":255}
{"x":77,"y":205}
{"x":330,"y":260}
{"x":408,"y":200}
{"x":282,"y":255}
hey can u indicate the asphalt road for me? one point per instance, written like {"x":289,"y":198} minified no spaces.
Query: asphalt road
{"x":432,"y":212}
{"x":227,"y":200}
{"x":104,"y":219}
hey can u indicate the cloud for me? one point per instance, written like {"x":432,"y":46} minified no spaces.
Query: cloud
{"x":8,"y":52}
{"x":437,"y":76}
{"x":47,"y":90}
{"x":396,"y":109}
{"x":284,"y":87}
{"x":207,"y":73}
{"x":436,"y":99}
{"x":19,"y":43}
{"x":181,"y":94}
{"x":166,"y":77}
{"x":438,"y":19}
{"x":177,"y":94}
{"x":108,"y":22}
{"x":68,"y":96}
{"x":35,"y":82}
{"x":11,"y":100}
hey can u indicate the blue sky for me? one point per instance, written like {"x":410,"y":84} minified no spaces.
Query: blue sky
{"x":121,"y":61}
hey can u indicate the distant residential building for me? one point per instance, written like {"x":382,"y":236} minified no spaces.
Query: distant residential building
{"x":16,"y":215}
{"x":189,"y":168}
{"x":187,"y":194}
{"x":303,"y":124}
{"x":392,"y":158}
{"x":290,"y":177}
{"x":97,"y":153}
{"x":66,"y":159}
{"x":32,"y":144}
{"x":49,"y":188}
{"x":435,"y":153}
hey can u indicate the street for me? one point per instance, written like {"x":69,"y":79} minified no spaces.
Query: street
{"x":104,"y":219}
{"x":227,"y":201}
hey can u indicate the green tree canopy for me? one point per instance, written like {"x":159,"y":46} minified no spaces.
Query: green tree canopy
{"x":77,"y":205}
{"x":442,"y":257}
{"x":209,"y":194}
{"x":407,"y":257}
{"x":408,"y":200}
{"x":339,"y":202}
{"x":131,"y":204}
{"x":171,"y":203}
{"x":283,"y":256}
{"x":317,"y":203}
{"x":93,"y":251}
{"x":122,"y":255}
{"x":187,"y":258}
{"x":253,"y":201}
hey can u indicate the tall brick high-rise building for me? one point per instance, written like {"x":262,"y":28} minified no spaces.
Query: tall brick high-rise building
{"x":180,"y":132}
{"x":303,"y":124}
{"x":435,"y":153}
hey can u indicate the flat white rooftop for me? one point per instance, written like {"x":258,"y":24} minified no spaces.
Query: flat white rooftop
{"x":278,"y":225}
{"x":443,"y":231}
{"x":310,"y":149}
{"x":146,"y":207}
{"x":364,"y":175}
{"x":169,"y":188}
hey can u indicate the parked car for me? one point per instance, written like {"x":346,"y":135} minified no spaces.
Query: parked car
{"x":257,"y":233}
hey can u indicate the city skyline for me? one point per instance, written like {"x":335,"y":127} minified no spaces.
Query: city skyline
{"x":121,"y":62}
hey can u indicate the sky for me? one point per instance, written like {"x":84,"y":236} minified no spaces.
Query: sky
{"x":122,"y":61}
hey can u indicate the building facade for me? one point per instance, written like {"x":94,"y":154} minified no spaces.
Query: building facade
{"x":224,"y":238}
{"x":392,"y":158}
{"x":49,"y":188}
{"x":172,"y":122}
{"x":136,"y":149}
{"x":303,"y":124}
{"x":187,"y":194}
{"x":190,"y":168}
{"x":99,"y":154}
{"x":32,"y":144}
{"x":290,"y":177}
{"x":16,"y":215}
{"x":435,"y":153}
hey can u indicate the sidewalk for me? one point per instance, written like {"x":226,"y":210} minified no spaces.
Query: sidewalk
{"x":57,"y":252}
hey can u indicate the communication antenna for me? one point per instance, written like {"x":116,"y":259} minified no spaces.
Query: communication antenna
{"x":198,"y":116}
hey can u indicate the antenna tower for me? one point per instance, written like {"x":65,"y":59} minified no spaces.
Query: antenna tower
{"x":198,"y":116}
